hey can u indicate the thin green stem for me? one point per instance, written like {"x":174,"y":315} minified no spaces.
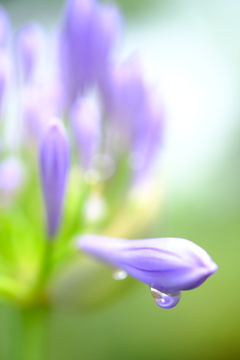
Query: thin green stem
{"x":37,"y":295}
{"x":30,"y":334}
{"x":45,"y":270}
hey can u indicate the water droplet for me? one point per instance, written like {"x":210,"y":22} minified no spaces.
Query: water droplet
{"x":119,"y":274}
{"x":164,"y":299}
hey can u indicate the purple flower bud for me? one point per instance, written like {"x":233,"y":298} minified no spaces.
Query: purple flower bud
{"x":124,"y":91}
{"x":34,"y":114}
{"x":86,"y":126}
{"x":132,"y":106}
{"x":29,"y":44}
{"x":4,"y":27}
{"x":88,"y":36}
{"x":166,"y":264}
{"x":54,"y":164}
{"x":147,"y":137}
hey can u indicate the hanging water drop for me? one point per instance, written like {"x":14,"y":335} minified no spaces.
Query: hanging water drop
{"x":119,"y":274}
{"x":164,"y":299}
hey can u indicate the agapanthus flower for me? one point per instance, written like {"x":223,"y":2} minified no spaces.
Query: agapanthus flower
{"x":85,"y":119}
{"x":29,"y":43}
{"x":168,"y":265}
{"x":88,"y":36}
{"x":87,"y":130}
{"x":135,"y":111}
{"x":54,"y":164}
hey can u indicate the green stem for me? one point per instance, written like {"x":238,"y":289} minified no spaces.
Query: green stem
{"x":37,"y":294}
{"x":30,"y":334}
{"x":46,"y":263}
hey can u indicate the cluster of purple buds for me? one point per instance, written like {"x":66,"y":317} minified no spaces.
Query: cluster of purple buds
{"x":115,"y":121}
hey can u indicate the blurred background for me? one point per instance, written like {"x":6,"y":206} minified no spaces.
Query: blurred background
{"x":191,"y":49}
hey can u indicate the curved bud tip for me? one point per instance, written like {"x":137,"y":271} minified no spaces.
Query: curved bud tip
{"x":54,"y":164}
{"x":169,"y":265}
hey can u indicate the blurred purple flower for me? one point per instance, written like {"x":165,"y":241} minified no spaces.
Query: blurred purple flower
{"x":135,"y":111}
{"x":124,"y":90}
{"x":166,"y":264}
{"x":85,"y":119}
{"x":54,"y":164}
{"x":34,"y":114}
{"x":4,"y":28}
{"x":88,"y":35}
{"x":29,"y":44}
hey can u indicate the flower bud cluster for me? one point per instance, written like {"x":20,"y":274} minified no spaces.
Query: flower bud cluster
{"x":94,"y":127}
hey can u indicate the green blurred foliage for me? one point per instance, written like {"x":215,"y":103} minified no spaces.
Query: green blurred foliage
{"x":136,"y":7}
{"x":204,"y":325}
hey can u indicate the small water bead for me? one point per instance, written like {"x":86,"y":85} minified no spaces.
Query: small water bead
{"x":119,"y":274}
{"x":164,"y":299}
